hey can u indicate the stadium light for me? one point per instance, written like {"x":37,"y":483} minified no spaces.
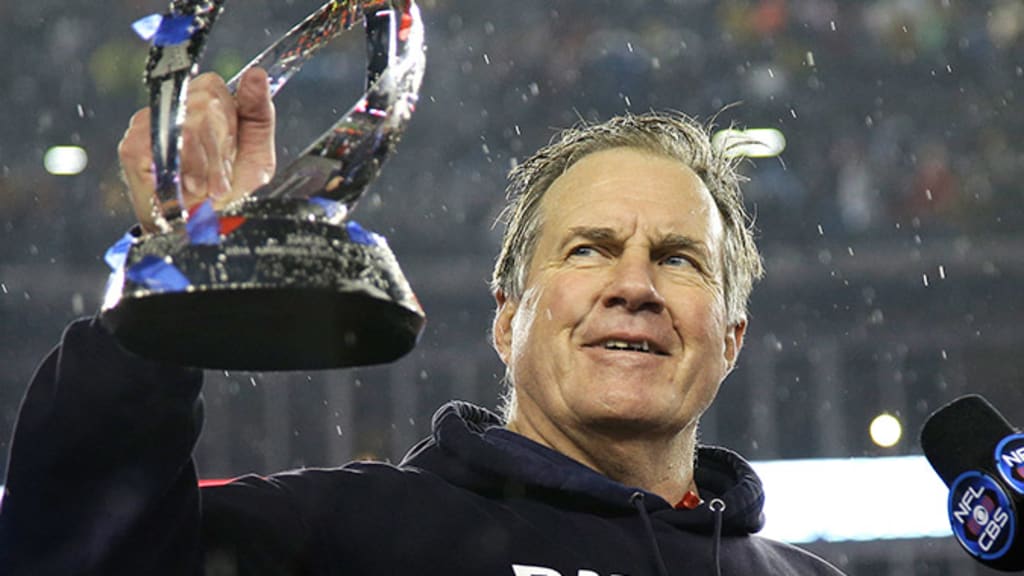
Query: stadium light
{"x":885,"y":430}
{"x":752,"y":142}
{"x":65,"y":160}
{"x":830,"y":499}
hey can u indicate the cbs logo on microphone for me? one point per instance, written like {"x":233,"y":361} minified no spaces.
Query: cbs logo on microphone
{"x":981,"y":515}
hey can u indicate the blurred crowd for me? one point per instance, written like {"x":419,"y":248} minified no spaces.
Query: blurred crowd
{"x":896,"y":112}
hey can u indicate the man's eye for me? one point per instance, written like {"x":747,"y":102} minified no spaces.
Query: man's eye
{"x":677,"y":260}
{"x":583,"y":251}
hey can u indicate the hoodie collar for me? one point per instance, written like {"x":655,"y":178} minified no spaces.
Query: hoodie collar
{"x":469,"y":447}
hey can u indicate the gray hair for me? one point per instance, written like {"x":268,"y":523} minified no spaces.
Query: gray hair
{"x":672,"y":135}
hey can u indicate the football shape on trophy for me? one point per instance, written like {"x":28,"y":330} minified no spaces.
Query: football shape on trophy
{"x":282,"y":279}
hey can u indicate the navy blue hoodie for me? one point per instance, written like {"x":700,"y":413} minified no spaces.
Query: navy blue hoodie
{"x":101,"y":481}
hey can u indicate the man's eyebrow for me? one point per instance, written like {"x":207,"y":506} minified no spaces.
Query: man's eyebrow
{"x":591,"y":233}
{"x":663,"y":244}
{"x":671,"y":242}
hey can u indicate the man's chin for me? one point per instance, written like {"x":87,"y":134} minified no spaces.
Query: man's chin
{"x":632,"y":424}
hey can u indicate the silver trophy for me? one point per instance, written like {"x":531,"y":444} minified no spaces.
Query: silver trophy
{"x":280,"y":280}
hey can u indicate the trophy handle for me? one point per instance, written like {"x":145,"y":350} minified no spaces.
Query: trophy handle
{"x":345,"y":159}
{"x":178,"y":41}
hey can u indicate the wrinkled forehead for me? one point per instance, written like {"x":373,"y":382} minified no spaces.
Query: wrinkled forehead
{"x":629,"y":188}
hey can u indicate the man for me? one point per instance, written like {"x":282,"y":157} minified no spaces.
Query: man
{"x":621,"y":291}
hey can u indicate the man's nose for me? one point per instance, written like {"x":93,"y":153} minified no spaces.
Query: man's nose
{"x":632,"y":285}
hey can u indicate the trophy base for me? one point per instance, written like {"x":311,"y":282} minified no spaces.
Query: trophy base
{"x":265,"y":329}
{"x":267,"y":285}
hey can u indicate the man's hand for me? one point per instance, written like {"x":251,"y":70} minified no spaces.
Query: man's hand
{"x":227,"y":145}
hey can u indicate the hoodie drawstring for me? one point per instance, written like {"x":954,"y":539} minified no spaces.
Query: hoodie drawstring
{"x":718,"y":507}
{"x":637,"y":500}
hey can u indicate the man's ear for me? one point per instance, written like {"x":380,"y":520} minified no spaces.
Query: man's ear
{"x":734,"y":341}
{"x":501,"y":331}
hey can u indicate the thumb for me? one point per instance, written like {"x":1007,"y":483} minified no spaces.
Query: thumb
{"x":255,"y":159}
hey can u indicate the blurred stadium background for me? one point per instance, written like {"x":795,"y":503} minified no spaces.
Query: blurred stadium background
{"x":892,"y":224}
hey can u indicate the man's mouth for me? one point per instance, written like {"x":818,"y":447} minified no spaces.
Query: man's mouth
{"x":643,"y":346}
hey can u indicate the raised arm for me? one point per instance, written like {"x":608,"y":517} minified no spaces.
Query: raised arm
{"x":101,"y":478}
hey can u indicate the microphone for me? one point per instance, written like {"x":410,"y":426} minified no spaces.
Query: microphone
{"x":980,"y":456}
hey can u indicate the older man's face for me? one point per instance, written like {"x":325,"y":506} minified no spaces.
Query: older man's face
{"x":622,"y":327}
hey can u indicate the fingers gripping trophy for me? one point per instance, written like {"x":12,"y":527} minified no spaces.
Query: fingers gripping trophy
{"x":280,"y":279}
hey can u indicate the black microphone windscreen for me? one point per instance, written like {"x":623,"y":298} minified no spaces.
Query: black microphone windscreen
{"x":963,"y":435}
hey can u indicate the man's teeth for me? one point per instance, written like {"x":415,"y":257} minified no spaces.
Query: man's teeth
{"x":643,"y":346}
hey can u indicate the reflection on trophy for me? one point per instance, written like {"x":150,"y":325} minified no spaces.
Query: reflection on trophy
{"x":280,"y":280}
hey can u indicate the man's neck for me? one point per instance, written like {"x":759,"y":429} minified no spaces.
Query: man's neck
{"x":661,"y":464}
